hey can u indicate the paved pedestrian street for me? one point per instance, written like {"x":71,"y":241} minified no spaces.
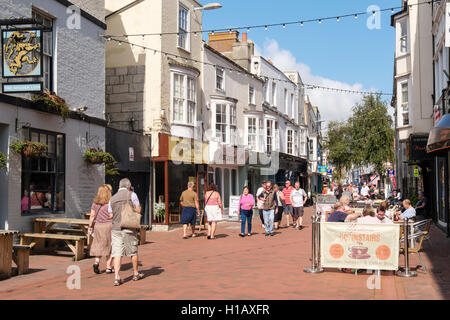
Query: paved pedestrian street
{"x":231,"y":267}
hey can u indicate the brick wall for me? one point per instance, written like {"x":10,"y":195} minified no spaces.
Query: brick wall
{"x":125,"y":97}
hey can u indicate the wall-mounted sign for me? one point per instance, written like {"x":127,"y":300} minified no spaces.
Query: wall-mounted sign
{"x":322,"y":169}
{"x":131,"y":153}
{"x":416,"y":172}
{"x":21,"y":53}
{"x":20,"y":87}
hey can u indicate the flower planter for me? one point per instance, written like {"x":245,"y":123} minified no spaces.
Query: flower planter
{"x":30,"y":149}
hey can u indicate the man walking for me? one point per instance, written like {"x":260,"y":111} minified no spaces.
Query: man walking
{"x":287,"y":200}
{"x":269,"y":209}
{"x":298,"y":199}
{"x":191,"y":209}
{"x":124,"y":242}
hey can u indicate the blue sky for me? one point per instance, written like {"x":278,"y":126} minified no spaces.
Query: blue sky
{"x":345,"y":55}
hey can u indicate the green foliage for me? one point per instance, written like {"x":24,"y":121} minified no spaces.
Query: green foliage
{"x":366,"y":138}
{"x":98,"y":156}
{"x":414,"y":199}
{"x":53,"y":103}
{"x":2,"y":160}
{"x":339,"y":137}
{"x":29,"y":148}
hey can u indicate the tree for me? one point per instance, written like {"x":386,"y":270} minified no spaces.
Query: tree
{"x":372,"y":134}
{"x":339,"y":146}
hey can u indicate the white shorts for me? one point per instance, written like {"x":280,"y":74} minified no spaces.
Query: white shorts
{"x":213,"y":213}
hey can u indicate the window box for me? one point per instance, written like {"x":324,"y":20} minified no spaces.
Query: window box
{"x":52,"y":103}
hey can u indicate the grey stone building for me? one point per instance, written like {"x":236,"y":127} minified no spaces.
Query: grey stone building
{"x":74,"y":69}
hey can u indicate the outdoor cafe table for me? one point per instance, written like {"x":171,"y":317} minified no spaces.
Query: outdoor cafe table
{"x":42,"y":225}
{"x":6,"y":251}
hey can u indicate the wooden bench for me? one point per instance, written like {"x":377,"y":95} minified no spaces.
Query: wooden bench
{"x":143,"y":234}
{"x":21,"y":257}
{"x":75,"y":243}
{"x":70,"y":231}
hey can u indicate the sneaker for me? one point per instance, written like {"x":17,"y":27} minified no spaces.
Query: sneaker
{"x":300,"y":228}
{"x":267,"y":234}
{"x":249,"y":235}
{"x":297,"y":228}
{"x":241,"y":235}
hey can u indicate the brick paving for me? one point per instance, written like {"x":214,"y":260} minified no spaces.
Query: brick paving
{"x":231,"y":267}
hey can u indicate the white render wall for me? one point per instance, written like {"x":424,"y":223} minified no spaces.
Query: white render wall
{"x":81,"y":180}
{"x":79,"y":55}
{"x":236,"y":87}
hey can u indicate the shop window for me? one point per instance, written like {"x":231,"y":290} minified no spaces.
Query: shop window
{"x":234,"y":190}
{"x":43,"y":178}
{"x":227,"y":187}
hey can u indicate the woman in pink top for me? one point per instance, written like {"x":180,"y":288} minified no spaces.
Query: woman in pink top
{"x":213,"y":209}
{"x":246,"y":203}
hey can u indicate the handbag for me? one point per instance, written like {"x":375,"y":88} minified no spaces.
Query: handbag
{"x":260,"y":204}
{"x":131,"y":219}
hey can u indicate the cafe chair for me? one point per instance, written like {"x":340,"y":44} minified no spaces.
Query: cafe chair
{"x":419,"y":237}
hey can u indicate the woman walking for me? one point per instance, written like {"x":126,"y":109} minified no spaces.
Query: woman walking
{"x":246,"y":203}
{"x":213,"y":209}
{"x":100,"y":223}
{"x":279,"y":198}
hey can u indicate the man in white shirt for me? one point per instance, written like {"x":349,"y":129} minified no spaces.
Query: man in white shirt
{"x":258,"y":193}
{"x":298,"y":199}
{"x":365,"y":190}
{"x":381,"y":216}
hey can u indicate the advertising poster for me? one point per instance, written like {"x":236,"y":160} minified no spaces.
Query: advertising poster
{"x":359,"y":246}
{"x":234,"y":206}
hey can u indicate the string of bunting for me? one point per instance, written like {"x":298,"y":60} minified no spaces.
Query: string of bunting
{"x":306,"y":86}
{"x":281,"y":24}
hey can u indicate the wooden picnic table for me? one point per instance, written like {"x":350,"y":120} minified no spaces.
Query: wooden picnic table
{"x":86,"y":215}
{"x":6,"y":252}
{"x":44,"y":225}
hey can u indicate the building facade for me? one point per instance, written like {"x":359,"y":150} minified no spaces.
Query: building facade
{"x":65,"y":181}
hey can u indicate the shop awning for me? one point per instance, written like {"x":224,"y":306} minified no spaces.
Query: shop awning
{"x":439,"y":138}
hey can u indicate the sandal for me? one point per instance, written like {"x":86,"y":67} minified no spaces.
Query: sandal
{"x":138,"y":276}
{"x":193,"y":236}
{"x":117,"y":282}
{"x":184,"y":237}
{"x":96,"y":268}
{"x":109,"y":270}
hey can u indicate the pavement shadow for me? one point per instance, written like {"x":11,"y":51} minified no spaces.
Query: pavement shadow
{"x":128,"y":266}
{"x":219,"y":236}
{"x":147,"y":273}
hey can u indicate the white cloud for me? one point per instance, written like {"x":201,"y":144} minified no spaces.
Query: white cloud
{"x":332,"y":105}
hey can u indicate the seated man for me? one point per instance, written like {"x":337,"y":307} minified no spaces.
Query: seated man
{"x":381,"y":215}
{"x":409,"y":213}
{"x":340,"y":216}
{"x":421,"y":205}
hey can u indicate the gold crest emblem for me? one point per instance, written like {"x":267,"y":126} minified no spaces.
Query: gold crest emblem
{"x":21,"y":55}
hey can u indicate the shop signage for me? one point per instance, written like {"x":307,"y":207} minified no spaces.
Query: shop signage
{"x":234,"y":206}
{"x":418,"y":148}
{"x":359,"y":246}
{"x":20,"y":87}
{"x":185,"y":150}
{"x":416,"y":172}
{"x":21,"y":53}
{"x":329,"y":172}
{"x":322,"y":169}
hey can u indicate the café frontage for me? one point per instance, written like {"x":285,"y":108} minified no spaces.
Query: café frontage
{"x":179,"y":161}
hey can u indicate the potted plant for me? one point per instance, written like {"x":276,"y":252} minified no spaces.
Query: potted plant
{"x":29,"y":148}
{"x":52,"y":102}
{"x":98,"y":156}
{"x":160,"y":211}
{"x":2,"y":160}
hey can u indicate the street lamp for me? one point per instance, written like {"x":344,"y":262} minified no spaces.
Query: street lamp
{"x":209,"y":6}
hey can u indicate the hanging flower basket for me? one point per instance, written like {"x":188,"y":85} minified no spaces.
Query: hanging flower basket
{"x":98,"y":156}
{"x":30,"y":149}
{"x":2,"y":160}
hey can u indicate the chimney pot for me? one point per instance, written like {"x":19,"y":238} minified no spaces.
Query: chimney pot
{"x":244,"y":37}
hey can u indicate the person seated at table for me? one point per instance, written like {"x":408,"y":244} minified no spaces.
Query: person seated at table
{"x":381,"y":215}
{"x":368,"y":216}
{"x":346,"y":202}
{"x":409,"y":213}
{"x":37,"y":199}
{"x":25,"y":202}
{"x":340,"y":216}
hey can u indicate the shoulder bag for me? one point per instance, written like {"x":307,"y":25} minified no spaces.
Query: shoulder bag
{"x":260,"y":204}
{"x":131,"y":219}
